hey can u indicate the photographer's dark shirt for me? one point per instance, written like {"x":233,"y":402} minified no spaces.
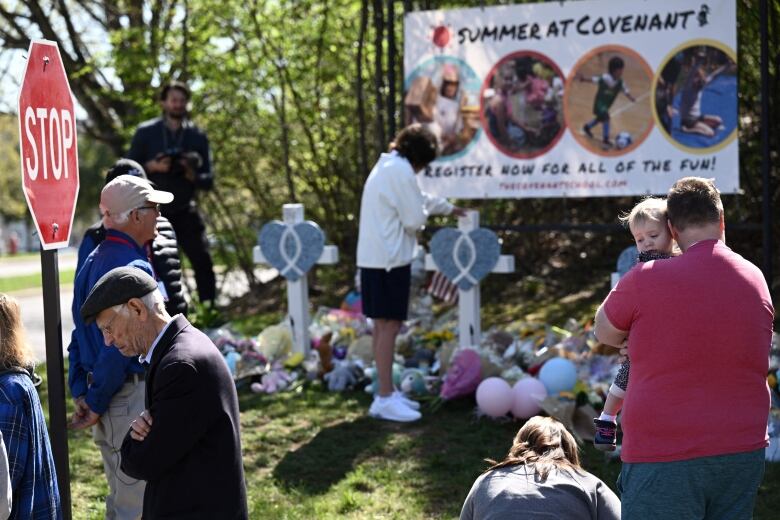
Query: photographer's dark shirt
{"x":153,"y":138}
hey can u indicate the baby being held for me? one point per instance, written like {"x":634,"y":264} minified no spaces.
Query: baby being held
{"x":648,"y":223}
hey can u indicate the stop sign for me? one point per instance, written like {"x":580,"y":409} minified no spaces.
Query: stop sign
{"x":47,"y":142}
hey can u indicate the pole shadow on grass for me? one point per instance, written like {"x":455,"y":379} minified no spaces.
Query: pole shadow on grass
{"x":326,"y":459}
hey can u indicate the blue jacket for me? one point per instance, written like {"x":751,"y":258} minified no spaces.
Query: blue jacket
{"x":87,"y":352}
{"x":30,"y":462}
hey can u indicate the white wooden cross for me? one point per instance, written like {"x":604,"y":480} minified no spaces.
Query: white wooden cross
{"x":469,"y":301}
{"x":298,"y":290}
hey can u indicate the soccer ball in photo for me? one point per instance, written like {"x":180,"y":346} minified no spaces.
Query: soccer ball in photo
{"x":623,"y":140}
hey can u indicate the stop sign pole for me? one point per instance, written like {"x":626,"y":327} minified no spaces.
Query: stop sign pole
{"x":50,"y":178}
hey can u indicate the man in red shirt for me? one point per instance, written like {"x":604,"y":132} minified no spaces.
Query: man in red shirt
{"x":699,"y":328}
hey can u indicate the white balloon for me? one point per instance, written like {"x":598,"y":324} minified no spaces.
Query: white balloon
{"x":494,"y":397}
{"x":527,"y":394}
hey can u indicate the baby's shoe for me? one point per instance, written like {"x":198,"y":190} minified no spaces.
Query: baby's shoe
{"x":606,"y":435}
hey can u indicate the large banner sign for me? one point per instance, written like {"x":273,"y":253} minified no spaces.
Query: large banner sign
{"x":575,"y":99}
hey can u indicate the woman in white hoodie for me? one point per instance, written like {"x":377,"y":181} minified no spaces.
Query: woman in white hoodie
{"x":392,"y":209}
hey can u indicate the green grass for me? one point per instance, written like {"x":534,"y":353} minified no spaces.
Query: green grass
{"x":20,"y":257}
{"x":31,"y":281}
{"x":314,"y":454}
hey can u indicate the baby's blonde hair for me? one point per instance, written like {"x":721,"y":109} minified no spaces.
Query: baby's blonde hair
{"x":651,"y":208}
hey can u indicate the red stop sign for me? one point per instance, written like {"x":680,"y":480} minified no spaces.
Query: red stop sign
{"x":47,"y":142}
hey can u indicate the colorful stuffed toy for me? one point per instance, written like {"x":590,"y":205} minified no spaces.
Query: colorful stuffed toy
{"x":345,"y":375}
{"x":413,"y":382}
{"x":373,"y":387}
{"x":275,"y":380}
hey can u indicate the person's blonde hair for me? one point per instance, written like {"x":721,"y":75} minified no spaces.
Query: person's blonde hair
{"x":545,"y":444}
{"x":14,"y":350}
{"x":651,"y":208}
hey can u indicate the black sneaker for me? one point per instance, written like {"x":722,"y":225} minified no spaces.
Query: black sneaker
{"x":587,"y":131}
{"x":607,"y":144}
{"x":606,"y":435}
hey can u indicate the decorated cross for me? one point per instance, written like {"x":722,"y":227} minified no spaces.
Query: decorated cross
{"x":465,"y":256}
{"x":292,"y":247}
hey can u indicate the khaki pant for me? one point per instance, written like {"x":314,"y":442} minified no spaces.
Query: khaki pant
{"x":126,"y":495}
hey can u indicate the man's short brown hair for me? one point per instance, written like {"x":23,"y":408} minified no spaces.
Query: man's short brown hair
{"x":693,"y":201}
{"x":174,"y":85}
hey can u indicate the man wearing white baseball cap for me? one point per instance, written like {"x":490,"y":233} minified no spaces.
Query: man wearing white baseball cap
{"x":108,"y":389}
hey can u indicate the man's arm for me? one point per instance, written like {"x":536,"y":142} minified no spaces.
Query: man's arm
{"x":606,"y":332}
{"x":77,"y":376}
{"x":137,"y":151}
{"x":77,"y":382}
{"x":182,"y":412}
{"x":204,"y":177}
{"x":618,"y":311}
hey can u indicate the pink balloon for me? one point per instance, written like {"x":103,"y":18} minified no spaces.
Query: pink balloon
{"x":494,"y":397}
{"x":528,"y":393}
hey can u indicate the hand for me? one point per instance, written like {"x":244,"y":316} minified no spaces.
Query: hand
{"x":83,"y":416}
{"x":141,"y":426}
{"x":189,"y":173}
{"x":459,"y":212}
{"x":80,"y":403}
{"x":624,"y":351}
{"x":160,"y":164}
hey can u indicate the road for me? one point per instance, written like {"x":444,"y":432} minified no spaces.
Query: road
{"x":31,"y":300}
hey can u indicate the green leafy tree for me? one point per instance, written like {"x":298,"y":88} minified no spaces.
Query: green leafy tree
{"x":12,"y":202}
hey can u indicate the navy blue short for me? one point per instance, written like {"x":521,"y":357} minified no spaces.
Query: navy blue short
{"x":385,"y":293}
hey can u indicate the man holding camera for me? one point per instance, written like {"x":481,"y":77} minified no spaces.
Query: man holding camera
{"x":175,"y":154}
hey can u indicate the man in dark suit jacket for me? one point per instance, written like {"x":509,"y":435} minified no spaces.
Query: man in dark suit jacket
{"x":186,"y":443}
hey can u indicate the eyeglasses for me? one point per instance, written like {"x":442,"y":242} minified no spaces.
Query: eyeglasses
{"x":106,"y":329}
{"x":156,"y":208}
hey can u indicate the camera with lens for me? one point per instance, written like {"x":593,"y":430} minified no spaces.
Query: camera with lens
{"x":177,"y":154}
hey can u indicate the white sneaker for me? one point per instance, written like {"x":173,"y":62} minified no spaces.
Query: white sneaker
{"x":409,"y":403}
{"x":391,"y":409}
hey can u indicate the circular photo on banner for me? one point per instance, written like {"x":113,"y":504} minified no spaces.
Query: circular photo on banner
{"x":696,"y":96}
{"x":442,"y":94}
{"x":522,"y":104}
{"x":608,"y":100}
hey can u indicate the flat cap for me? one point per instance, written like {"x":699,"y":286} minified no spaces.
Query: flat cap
{"x":116,"y":287}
